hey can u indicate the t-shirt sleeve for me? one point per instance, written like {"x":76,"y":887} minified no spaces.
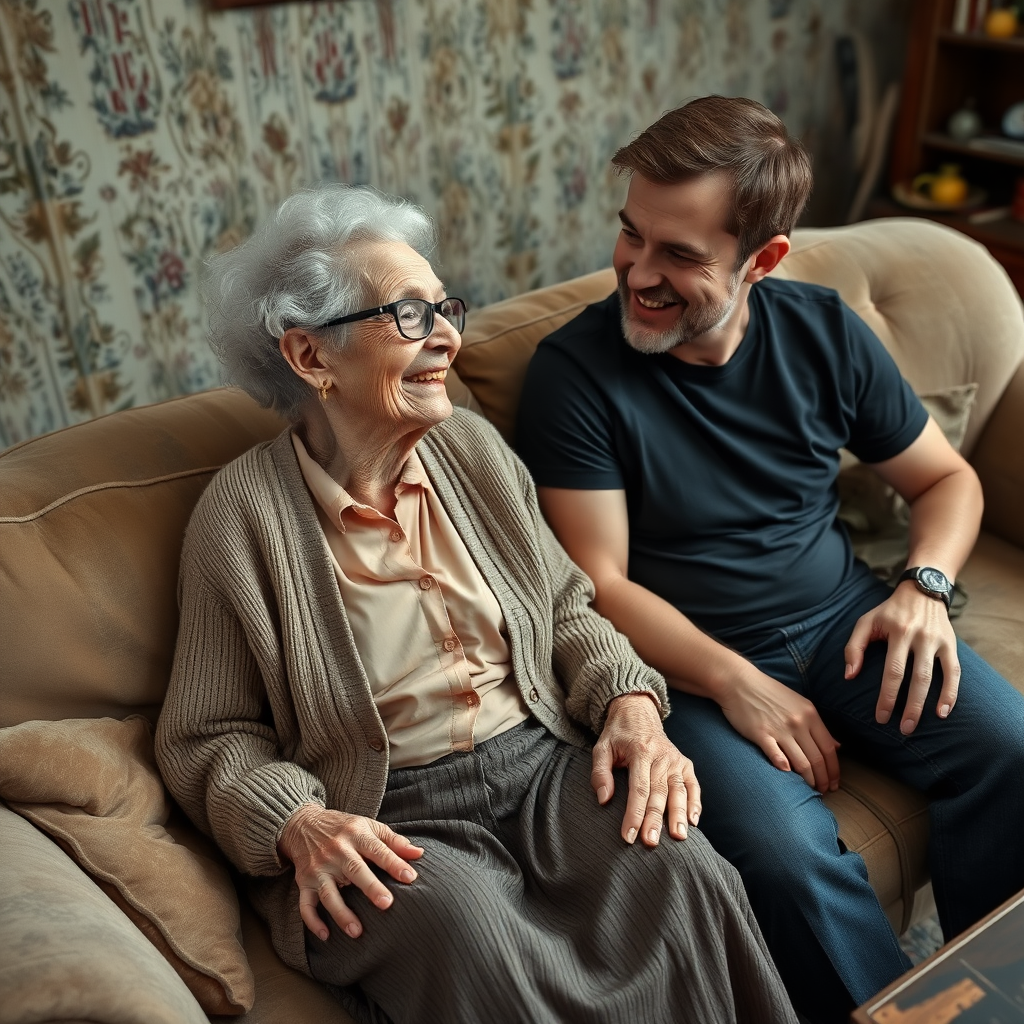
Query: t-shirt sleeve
{"x":888,"y":416}
{"x":564,"y":430}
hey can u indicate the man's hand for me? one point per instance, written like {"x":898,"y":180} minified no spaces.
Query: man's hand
{"x":912,"y":623}
{"x":661,"y":780}
{"x":787,"y":728}
{"x":330,"y":849}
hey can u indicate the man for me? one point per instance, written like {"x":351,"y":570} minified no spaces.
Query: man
{"x":684,"y":436}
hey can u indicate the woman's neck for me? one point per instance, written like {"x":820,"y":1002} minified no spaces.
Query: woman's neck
{"x":367,"y":464}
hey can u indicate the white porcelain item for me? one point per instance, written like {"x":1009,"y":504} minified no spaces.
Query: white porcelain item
{"x":964,"y":125}
{"x":1013,"y":121}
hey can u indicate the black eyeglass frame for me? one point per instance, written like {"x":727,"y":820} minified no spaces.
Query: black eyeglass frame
{"x":392,"y":308}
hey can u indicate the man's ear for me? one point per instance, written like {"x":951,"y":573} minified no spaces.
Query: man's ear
{"x":302,"y":353}
{"x":767,"y":258}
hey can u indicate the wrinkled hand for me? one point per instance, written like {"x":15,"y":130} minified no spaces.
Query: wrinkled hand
{"x":786,"y":726}
{"x":330,"y":849}
{"x":915,"y":623}
{"x":661,"y":780}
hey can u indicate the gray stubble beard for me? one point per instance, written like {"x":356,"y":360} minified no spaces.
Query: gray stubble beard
{"x":692,"y":323}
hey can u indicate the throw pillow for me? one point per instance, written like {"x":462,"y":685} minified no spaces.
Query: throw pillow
{"x":93,"y":785}
{"x":876,"y":517}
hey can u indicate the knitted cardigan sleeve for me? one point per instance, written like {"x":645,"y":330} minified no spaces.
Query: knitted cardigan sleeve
{"x":218,"y":753}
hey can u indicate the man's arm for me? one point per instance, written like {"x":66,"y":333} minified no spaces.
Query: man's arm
{"x":593,"y":527}
{"x":945,"y":501}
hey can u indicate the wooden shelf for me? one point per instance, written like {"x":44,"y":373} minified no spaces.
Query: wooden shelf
{"x":945,"y":72}
{"x":1000,"y":232}
{"x":978,"y":40}
{"x":939,"y":141}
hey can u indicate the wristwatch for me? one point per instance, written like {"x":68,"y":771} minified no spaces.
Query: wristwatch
{"x":929,"y":581}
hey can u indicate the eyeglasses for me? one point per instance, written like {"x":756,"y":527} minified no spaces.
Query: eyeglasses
{"x":414,"y":318}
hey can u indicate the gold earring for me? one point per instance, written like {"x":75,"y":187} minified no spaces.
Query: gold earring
{"x":325,"y":386}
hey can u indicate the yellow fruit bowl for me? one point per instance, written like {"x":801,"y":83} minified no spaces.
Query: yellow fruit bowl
{"x":906,"y":195}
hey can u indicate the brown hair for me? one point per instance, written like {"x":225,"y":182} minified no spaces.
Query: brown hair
{"x":770,"y":170}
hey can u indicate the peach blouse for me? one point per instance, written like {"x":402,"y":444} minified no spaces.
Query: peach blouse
{"x":429,"y":632}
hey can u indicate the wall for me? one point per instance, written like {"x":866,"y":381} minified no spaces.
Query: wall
{"x":137,"y":136}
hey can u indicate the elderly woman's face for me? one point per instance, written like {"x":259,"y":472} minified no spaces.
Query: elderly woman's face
{"x":381,"y":376}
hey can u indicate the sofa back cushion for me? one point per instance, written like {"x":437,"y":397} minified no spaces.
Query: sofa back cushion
{"x":940,"y":303}
{"x":499,"y":340}
{"x":91,"y":525}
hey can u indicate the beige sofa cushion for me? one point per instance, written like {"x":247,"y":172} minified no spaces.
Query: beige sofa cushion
{"x":66,"y":952}
{"x":499,"y":341}
{"x":283,"y":995}
{"x":993,"y":621}
{"x":93,"y":785}
{"x":91,"y":525}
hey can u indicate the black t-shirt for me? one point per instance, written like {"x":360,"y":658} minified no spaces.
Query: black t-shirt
{"x":729,"y":471}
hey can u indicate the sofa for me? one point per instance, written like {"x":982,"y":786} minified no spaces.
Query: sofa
{"x":111,"y":905}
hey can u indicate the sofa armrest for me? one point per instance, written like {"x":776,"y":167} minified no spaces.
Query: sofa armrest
{"x":66,"y":952}
{"x":999,"y":461}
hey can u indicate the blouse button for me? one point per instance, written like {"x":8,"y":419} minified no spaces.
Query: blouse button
{"x":426,"y":583}
{"x":473,"y":699}
{"x":449,"y":645}
{"x":377,"y":744}
{"x":396,"y":535}
{"x":534,"y":696}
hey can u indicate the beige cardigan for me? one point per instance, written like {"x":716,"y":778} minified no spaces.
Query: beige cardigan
{"x":268,"y":705}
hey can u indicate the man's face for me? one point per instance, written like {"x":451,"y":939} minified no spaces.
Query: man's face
{"x":676,"y":263}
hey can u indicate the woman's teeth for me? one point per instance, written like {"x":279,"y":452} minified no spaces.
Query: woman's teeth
{"x":432,"y":375}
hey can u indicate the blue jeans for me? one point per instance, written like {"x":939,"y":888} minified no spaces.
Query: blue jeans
{"x":830,"y":939}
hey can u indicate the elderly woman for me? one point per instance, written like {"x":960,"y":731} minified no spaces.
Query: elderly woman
{"x":389,"y":679}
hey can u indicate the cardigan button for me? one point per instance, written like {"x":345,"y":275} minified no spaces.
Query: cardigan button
{"x":534,"y":696}
{"x":377,"y":744}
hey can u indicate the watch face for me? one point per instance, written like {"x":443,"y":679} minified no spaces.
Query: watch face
{"x":933,"y":580}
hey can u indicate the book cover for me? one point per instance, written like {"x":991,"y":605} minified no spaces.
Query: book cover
{"x":977,"y":979}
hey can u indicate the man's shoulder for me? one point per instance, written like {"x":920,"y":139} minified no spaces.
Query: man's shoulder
{"x":798,"y":309}
{"x":778,"y":290}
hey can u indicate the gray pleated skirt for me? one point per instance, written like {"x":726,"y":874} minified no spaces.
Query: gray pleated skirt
{"x":529,"y":907}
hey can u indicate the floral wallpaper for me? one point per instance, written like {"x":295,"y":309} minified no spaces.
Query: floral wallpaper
{"x":137,"y":136}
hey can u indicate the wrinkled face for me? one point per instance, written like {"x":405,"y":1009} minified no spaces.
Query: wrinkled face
{"x":383,"y":379}
{"x":675,"y":262}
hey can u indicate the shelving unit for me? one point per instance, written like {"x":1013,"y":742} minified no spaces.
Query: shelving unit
{"x":944,"y":71}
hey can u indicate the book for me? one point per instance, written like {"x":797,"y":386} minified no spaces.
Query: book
{"x":976,"y":979}
{"x":960,"y":15}
{"x":976,"y":21}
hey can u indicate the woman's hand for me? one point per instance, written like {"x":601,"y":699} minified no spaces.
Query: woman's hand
{"x":330,"y":849}
{"x":661,"y":780}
